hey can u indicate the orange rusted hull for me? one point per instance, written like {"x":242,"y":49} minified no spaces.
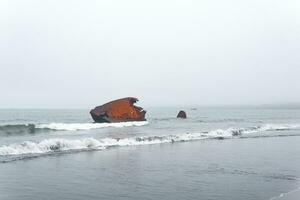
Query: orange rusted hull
{"x":121,"y":110}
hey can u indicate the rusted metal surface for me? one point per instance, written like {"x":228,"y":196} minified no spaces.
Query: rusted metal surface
{"x":181,"y":114}
{"x":121,"y":110}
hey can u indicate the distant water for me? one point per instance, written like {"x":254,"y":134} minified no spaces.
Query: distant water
{"x":217,"y":153}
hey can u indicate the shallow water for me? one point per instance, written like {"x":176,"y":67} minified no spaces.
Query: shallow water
{"x":217,"y":153}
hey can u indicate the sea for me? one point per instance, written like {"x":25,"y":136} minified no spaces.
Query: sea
{"x":217,"y":153}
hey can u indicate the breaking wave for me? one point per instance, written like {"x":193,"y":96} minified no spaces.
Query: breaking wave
{"x":88,"y":126}
{"x":33,"y":128}
{"x":255,"y":129}
{"x":49,"y":145}
{"x":62,"y":145}
{"x":59,"y":144}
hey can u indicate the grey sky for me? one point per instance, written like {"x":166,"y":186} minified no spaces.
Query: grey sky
{"x":68,"y":54}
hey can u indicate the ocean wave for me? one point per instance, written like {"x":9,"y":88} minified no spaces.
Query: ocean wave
{"x":255,"y":129}
{"x":279,"y":127}
{"x":49,"y":145}
{"x":59,"y":144}
{"x":62,"y":144}
{"x":270,"y":127}
{"x":33,"y":128}
{"x":16,"y":129}
{"x":88,"y":126}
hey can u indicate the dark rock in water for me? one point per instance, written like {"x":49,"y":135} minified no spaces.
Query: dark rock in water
{"x":121,"y":110}
{"x":181,"y":114}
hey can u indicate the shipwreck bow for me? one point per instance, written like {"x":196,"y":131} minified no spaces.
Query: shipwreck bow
{"x":121,"y":110}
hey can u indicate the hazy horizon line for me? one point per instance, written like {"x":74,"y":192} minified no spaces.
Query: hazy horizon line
{"x":271,"y":105}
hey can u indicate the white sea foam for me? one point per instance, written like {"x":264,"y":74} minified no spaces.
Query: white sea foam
{"x":60,"y":144}
{"x":223,"y":133}
{"x":240,"y":131}
{"x":269,"y":127}
{"x":50,"y":145}
{"x":87,"y":126}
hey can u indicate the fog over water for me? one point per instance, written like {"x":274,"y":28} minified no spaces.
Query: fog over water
{"x":78,"y":54}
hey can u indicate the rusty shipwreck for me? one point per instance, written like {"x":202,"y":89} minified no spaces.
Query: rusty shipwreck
{"x":120,"y":110}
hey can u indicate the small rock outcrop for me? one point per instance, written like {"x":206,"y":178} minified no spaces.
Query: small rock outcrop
{"x":181,"y":115}
{"x":120,"y":110}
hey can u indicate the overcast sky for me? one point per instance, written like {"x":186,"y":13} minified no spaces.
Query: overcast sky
{"x":79,"y":54}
